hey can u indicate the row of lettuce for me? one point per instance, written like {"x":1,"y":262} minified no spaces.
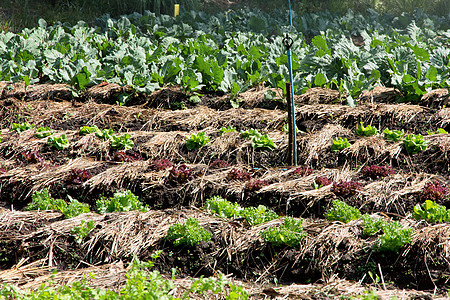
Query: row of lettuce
{"x":288,"y":233}
{"x":413,"y":143}
{"x":232,"y":52}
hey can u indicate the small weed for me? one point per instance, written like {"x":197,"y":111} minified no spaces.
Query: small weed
{"x":19,"y":127}
{"x":438,"y":131}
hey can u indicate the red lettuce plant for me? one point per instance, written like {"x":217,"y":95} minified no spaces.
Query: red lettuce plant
{"x":302,"y":171}
{"x":375,"y":172}
{"x":236,"y":174}
{"x":160,"y":164}
{"x":126,"y":156}
{"x":256,"y":185}
{"x":345,"y":188}
{"x":31,"y":157}
{"x":433,"y":191}
{"x":219,"y":164}
{"x":78,"y":176}
{"x":321,"y":181}
{"x":181,"y":173}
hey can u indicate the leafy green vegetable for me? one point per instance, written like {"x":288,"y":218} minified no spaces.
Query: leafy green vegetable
{"x":188,"y":234}
{"x":250,"y":133}
{"x":223,"y":130}
{"x":19,"y":127}
{"x":42,"y":200}
{"x":343,"y":212}
{"x":371,"y":225}
{"x":80,"y":232}
{"x":121,"y":201}
{"x":290,"y":233}
{"x":365,"y":131}
{"x":394,"y":237}
{"x":196,"y":141}
{"x":105,"y":134}
{"x":415,"y":143}
{"x":339,"y":144}
{"x":59,"y":143}
{"x":122,"y":142}
{"x":263,"y":142}
{"x":394,"y":135}
{"x":431,"y":212}
{"x":89,"y":129}
{"x":43,"y":132}
{"x":438,"y":131}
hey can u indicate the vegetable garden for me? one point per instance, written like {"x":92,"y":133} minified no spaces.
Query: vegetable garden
{"x":152,"y":138}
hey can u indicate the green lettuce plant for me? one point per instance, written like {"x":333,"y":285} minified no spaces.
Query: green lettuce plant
{"x":43,"y":132}
{"x":196,"y":141}
{"x":289,"y":233}
{"x":431,"y":212}
{"x":415,"y":143}
{"x":263,"y":142}
{"x":105,"y":134}
{"x":393,"y":135}
{"x":365,"y":131}
{"x":19,"y":127}
{"x":339,"y":144}
{"x":42,"y":200}
{"x":223,"y":130}
{"x":80,"y":232}
{"x":121,"y":201}
{"x":122,"y":142}
{"x":88,"y":130}
{"x":371,"y":225}
{"x":394,"y":237}
{"x":188,"y":234}
{"x":343,"y":212}
{"x":438,"y":131}
{"x":59,"y":143}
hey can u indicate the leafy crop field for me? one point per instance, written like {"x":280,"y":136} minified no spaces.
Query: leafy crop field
{"x":147,"y":156}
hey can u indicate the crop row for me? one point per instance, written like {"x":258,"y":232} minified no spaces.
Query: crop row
{"x":163,"y":50}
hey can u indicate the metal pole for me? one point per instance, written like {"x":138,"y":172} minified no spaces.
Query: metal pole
{"x":290,"y":13}
{"x":288,"y":41}
{"x":290,"y":157}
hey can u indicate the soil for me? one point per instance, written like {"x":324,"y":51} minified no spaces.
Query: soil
{"x":159,"y":125}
